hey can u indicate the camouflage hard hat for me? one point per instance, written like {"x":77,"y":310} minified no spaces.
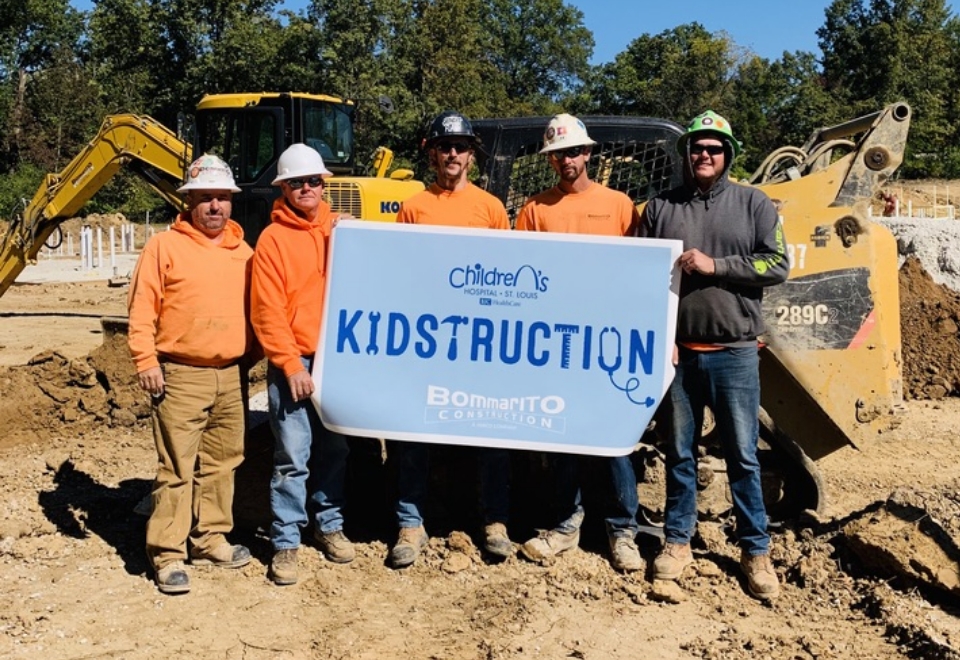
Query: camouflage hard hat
{"x":709,"y":122}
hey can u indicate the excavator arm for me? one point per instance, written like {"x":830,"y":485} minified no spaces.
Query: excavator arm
{"x":137,"y":142}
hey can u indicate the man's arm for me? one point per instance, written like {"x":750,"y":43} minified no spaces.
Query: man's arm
{"x":268,"y":310}
{"x":143,"y":305}
{"x":767,"y":264}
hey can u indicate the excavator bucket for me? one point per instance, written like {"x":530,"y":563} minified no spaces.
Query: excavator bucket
{"x":831,"y":370}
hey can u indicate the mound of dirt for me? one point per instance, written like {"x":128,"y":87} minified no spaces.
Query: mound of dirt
{"x":930,"y":334}
{"x":54,"y":394}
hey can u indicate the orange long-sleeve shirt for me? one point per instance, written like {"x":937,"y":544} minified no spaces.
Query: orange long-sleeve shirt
{"x":469,"y":207}
{"x":187,"y":301}
{"x":288,"y":284}
{"x":597,"y":210}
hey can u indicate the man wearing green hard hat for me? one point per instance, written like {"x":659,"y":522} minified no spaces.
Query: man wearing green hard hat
{"x":733,"y":247}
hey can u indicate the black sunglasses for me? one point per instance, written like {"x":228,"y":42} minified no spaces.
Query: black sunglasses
{"x":712,"y":149}
{"x":446,"y":147}
{"x":297,"y":184}
{"x":572,"y":152}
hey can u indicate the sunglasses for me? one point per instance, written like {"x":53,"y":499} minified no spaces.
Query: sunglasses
{"x":447,"y":147}
{"x":712,"y":149}
{"x":572,"y":152}
{"x":313,"y":181}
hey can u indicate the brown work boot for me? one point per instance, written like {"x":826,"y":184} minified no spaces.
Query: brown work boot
{"x":336,"y":547}
{"x":283,"y":567}
{"x":761,"y":578}
{"x":224,"y":556}
{"x":624,"y":554}
{"x":409,"y":544}
{"x":496,"y":541}
{"x":671,"y":561}
{"x":173,"y":579}
{"x":549,"y":544}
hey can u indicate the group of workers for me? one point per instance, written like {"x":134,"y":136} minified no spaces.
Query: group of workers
{"x":204,"y":306}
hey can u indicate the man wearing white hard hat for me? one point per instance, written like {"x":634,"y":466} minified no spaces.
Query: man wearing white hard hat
{"x":287,"y":289}
{"x":188,"y":333}
{"x":577,"y":205}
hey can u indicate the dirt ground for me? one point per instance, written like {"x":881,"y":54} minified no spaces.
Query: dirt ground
{"x":876,"y":576}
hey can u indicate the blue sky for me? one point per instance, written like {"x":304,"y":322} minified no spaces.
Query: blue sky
{"x":767,"y":28}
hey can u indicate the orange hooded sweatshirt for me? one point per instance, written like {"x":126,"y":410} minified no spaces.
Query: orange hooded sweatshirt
{"x":288,"y":284}
{"x":187,"y":301}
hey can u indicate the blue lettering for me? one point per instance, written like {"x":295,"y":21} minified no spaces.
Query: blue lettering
{"x":505,"y":357}
{"x":426,"y":324}
{"x":345,"y":331}
{"x":389,"y":207}
{"x":395,"y":320}
{"x":544,"y":357}
{"x":482,"y":338}
{"x":639,"y":350}
{"x":587,"y":346}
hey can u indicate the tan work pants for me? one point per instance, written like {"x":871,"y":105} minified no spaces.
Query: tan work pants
{"x":198,"y":427}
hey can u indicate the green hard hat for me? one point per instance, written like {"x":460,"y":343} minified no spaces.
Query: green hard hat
{"x":709,"y":122}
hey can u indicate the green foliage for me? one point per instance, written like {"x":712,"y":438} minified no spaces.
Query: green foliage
{"x":62,"y":71}
{"x":882,"y":51}
{"x":675,"y":75}
{"x":17,"y":188}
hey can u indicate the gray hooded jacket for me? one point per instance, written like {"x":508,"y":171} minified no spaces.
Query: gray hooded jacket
{"x":739,"y":227}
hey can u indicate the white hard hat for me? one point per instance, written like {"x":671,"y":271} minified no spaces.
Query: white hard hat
{"x":298,"y":161}
{"x":565,"y":131}
{"x":209,"y":173}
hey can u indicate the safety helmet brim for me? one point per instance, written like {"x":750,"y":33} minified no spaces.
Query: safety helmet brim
{"x":300,"y":161}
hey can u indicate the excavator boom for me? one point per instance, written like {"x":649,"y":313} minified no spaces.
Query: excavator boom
{"x":135,"y":141}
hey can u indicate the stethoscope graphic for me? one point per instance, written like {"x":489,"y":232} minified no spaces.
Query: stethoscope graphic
{"x":633,"y":383}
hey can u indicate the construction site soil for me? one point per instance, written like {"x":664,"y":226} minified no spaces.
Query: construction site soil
{"x":877,"y":575}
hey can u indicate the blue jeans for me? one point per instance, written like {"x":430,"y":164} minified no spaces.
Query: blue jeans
{"x":494,"y":485}
{"x":621,"y":520}
{"x":413,"y":466}
{"x":729,"y":382}
{"x":304,"y":451}
{"x":413,"y":477}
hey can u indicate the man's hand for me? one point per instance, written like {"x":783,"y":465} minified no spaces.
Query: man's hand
{"x":151,"y":380}
{"x":342,"y":216}
{"x":695,"y":261}
{"x":301,"y":385}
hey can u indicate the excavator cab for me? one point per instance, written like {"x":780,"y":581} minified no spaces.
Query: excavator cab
{"x":250,"y":131}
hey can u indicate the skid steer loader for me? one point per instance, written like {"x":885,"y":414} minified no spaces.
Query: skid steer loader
{"x":830,"y":361}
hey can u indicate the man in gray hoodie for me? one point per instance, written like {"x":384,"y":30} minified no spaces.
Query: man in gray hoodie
{"x":733,"y":247}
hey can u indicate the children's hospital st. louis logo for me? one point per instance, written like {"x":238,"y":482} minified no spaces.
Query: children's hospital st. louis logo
{"x":496,"y":286}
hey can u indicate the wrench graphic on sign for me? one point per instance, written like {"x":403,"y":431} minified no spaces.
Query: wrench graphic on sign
{"x":374,"y":321}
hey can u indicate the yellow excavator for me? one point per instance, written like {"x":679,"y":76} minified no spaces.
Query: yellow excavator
{"x":249,"y":131}
{"x":831,"y":361}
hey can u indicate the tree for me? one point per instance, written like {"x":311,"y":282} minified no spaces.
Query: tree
{"x":888,"y":50}
{"x":31,"y":32}
{"x":540,"y":48}
{"x":675,"y":75}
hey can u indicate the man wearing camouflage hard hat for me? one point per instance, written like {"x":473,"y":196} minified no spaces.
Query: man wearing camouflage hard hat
{"x":188,"y":333}
{"x":733,"y":247}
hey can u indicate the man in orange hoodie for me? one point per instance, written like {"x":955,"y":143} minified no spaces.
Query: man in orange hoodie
{"x":451,"y":200}
{"x":287,"y":290}
{"x":188,"y":332}
{"x":577,"y":205}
